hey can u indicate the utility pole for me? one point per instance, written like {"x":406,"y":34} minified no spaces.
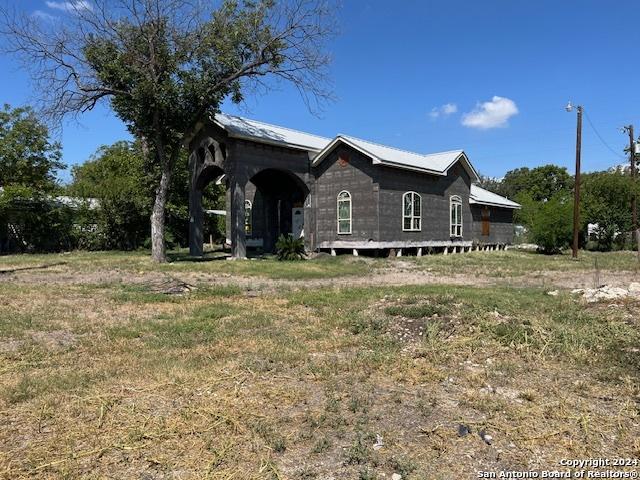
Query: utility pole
{"x":634,"y":207}
{"x":576,"y":188}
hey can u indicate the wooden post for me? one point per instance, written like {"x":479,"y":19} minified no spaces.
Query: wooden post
{"x":446,"y":251}
{"x":238,"y":237}
{"x":576,"y":189}
{"x":634,"y":207}
{"x":419,"y":254}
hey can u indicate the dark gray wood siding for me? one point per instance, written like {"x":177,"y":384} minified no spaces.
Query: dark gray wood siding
{"x":500,"y":225}
{"x":377,"y":195}
{"x":435,"y":192}
{"x":355,"y":176}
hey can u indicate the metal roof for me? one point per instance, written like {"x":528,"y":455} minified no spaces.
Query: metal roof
{"x":485,"y":197}
{"x":435,"y":163}
{"x":239,"y":127}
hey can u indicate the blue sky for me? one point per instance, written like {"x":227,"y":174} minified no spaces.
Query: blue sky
{"x":490,"y":77}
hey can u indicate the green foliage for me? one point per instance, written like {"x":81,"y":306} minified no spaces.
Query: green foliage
{"x":27,"y":156}
{"x":31,"y":221}
{"x":489,"y":183}
{"x":289,"y":248}
{"x":545,"y":194}
{"x":550,"y":222}
{"x":606,"y":200}
{"x":117,"y":177}
{"x":30,"y":218}
{"x":540,"y":183}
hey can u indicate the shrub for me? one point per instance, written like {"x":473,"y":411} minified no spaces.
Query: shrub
{"x":289,"y":248}
{"x":549,"y":222}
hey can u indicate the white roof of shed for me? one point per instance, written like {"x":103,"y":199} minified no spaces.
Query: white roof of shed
{"x":485,"y":197}
{"x":239,"y":127}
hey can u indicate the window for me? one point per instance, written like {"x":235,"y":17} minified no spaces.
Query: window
{"x":455,"y":206}
{"x":247,"y":217}
{"x":411,"y":212}
{"x":344,"y":213}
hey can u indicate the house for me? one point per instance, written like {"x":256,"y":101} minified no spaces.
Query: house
{"x":340,"y":194}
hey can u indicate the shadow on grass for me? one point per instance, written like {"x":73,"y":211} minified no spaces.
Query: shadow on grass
{"x":35,"y":267}
{"x":213,"y":256}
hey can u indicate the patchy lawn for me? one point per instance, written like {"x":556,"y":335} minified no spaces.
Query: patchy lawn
{"x":136,"y":373}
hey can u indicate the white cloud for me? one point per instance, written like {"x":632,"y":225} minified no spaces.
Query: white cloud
{"x":44,"y":16}
{"x":443,"y":110}
{"x":493,"y":114}
{"x":70,"y":5}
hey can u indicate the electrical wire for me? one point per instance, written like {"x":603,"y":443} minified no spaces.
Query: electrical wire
{"x":602,"y":139}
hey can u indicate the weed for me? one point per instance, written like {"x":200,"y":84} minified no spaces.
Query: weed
{"x":270,"y":435}
{"x":322,"y":445}
{"x":357,"y":453}
{"x":402,"y":465}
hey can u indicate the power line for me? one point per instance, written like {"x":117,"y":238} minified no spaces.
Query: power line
{"x":602,"y":139}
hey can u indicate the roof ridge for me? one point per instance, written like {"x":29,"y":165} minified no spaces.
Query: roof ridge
{"x":399,"y":149}
{"x":275,"y":126}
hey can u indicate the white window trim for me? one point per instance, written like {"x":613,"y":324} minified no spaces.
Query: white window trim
{"x":455,"y":200}
{"x":338,"y":213}
{"x":411,"y":216}
{"x":248,"y":206}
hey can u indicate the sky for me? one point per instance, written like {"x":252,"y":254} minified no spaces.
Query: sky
{"x":490,"y":77}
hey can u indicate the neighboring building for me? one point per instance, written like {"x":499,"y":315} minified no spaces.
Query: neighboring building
{"x":341,"y":193}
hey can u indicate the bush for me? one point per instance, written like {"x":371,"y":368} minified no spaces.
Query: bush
{"x":289,"y":248}
{"x":550,"y":222}
{"x":32,"y":222}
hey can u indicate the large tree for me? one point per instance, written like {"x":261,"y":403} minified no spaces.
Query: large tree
{"x":165,"y":65}
{"x":28,"y":158}
{"x":540,"y":183}
{"x":606,"y":200}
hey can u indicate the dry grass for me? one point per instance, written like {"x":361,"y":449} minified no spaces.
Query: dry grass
{"x":115,"y":379}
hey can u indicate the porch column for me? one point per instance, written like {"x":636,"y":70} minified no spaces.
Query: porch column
{"x":195,"y":209}
{"x":270,"y":236}
{"x":195,"y":223}
{"x":238,"y":237}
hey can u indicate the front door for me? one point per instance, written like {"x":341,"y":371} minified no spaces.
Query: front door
{"x":297,"y":222}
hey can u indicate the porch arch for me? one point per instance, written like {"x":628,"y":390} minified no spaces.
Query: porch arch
{"x":278,"y":202}
{"x":206,"y":164}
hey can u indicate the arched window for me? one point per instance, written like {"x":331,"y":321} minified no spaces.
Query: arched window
{"x":455,"y":207}
{"x":411,"y":212}
{"x":344,"y":213}
{"x":247,"y":217}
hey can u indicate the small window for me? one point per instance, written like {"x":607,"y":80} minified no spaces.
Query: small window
{"x":344,"y":213}
{"x":247,"y":217}
{"x":455,"y":207}
{"x":411,"y":212}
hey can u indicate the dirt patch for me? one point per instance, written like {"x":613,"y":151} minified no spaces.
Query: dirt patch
{"x":11,"y":345}
{"x":54,"y":340}
{"x":393,"y":272}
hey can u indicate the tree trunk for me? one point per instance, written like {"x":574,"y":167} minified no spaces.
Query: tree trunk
{"x":158,"y":247}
